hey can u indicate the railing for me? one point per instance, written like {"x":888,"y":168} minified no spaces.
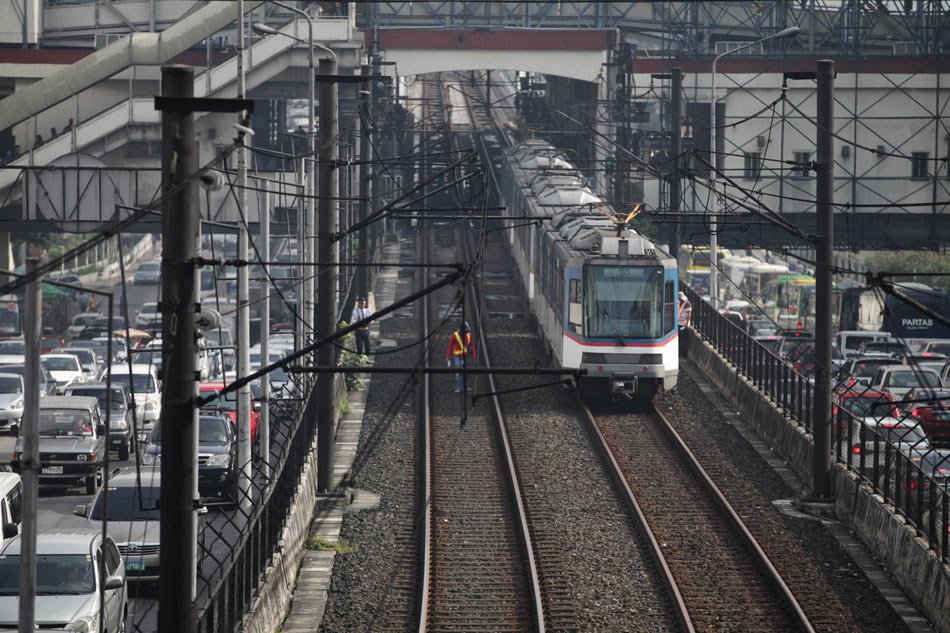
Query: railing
{"x":893,"y":471}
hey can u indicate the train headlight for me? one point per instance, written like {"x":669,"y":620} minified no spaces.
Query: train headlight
{"x":591,"y":358}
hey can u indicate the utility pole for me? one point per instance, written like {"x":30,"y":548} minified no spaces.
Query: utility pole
{"x":245,"y":473}
{"x":676,"y":104}
{"x":29,"y":431}
{"x":325,"y":308}
{"x":265,"y":345}
{"x":824,"y":252}
{"x":179,"y":418}
{"x":366,"y":173}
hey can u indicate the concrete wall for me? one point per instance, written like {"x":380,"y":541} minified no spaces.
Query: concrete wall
{"x":916,"y":569}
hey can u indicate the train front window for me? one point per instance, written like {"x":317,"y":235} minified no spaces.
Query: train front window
{"x":624,"y":302}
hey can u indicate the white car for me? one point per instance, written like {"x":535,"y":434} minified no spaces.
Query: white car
{"x":87,"y":360}
{"x":148,"y":273}
{"x":900,"y":379}
{"x":143,"y":384}
{"x":65,"y":369}
{"x":80,"y":577}
{"x":149,"y":316}
{"x":11,"y":402}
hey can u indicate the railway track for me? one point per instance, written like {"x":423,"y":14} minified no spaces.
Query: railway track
{"x":725,"y":579}
{"x":477,"y":568}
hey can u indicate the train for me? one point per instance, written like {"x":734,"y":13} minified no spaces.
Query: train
{"x":605,"y":297}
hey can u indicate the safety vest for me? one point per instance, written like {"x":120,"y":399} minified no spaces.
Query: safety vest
{"x":461,"y":347}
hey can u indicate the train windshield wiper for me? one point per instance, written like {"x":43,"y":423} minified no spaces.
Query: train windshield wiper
{"x":616,"y":329}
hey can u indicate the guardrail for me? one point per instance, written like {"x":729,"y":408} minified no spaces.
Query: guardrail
{"x":901,"y":474}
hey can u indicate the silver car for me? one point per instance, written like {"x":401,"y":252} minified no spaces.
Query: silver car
{"x":11,"y":402}
{"x":133,"y":519}
{"x":80,"y":577}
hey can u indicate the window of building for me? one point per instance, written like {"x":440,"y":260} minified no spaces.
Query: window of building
{"x":919,"y":167}
{"x":753,"y":165}
{"x":800,"y":170}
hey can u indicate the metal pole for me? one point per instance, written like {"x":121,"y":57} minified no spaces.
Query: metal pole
{"x":29,"y":431}
{"x":824,"y":243}
{"x":245,"y":474}
{"x":179,"y":421}
{"x":265,"y":346}
{"x":363,"y":256}
{"x":325,"y":309}
{"x":309,"y":285}
{"x":676,"y":103}
{"x":713,"y":177}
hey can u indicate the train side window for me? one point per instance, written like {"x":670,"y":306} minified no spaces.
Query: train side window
{"x":560,"y":293}
{"x":574,"y":309}
{"x":669,"y":307}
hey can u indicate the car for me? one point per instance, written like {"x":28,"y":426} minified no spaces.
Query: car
{"x":65,"y":369}
{"x":148,"y":273}
{"x":49,"y":342}
{"x":858,"y":370}
{"x":850,"y":341}
{"x":900,"y":379}
{"x":80,"y":578}
{"x":102,"y":326}
{"x":217,"y":455}
{"x":67,"y":278}
{"x":72,"y":443}
{"x":149,"y":317}
{"x":46,"y":381}
{"x":131,"y":512}
{"x":87,"y":360}
{"x":790,"y":339}
{"x":894,"y":348}
{"x":770,"y":342}
{"x":144,"y":386}
{"x":227,"y":405}
{"x":79,"y":323}
{"x":11,"y":504}
{"x":931,"y":409}
{"x":221,"y":338}
{"x":939,"y":346}
{"x":11,"y":402}
{"x":120,"y":412}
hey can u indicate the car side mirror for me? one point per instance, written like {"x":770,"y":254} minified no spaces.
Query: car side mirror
{"x":114,"y":582}
{"x":81,"y":510}
{"x":10,"y":530}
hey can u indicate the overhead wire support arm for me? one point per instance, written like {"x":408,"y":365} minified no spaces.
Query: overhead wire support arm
{"x":286,"y":360}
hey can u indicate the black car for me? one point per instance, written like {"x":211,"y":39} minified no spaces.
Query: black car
{"x":217,"y":455}
{"x":120,"y":413}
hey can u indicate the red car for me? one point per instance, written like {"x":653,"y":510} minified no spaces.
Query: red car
{"x":49,"y":342}
{"x":229,"y":406}
{"x":931,"y":408}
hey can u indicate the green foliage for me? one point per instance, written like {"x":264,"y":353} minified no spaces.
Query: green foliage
{"x":918,"y":262}
{"x":321,"y":544}
{"x":350,"y":358}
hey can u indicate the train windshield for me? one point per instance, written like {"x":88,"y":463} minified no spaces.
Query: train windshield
{"x":624,"y":302}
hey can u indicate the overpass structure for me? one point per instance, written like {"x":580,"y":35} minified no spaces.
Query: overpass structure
{"x":602,"y":62}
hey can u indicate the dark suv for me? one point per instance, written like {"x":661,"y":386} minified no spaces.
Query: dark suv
{"x":120,"y":413}
{"x":72,"y":443}
{"x":217,"y":455}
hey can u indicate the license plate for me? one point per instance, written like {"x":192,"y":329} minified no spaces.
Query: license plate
{"x":52,"y":470}
{"x":134,"y":565}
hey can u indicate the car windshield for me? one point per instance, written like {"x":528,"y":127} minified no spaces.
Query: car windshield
{"x":9,"y":384}
{"x":902,"y":379}
{"x":869,"y":407}
{"x":909,"y":434}
{"x":212,"y":430}
{"x":228,"y":403}
{"x":867,"y":368}
{"x":140,"y":383}
{"x":64,"y":423}
{"x":150,"y":267}
{"x":60,"y":363}
{"x":118,"y":401}
{"x":56,"y":574}
{"x":12,"y":347}
{"x":125,"y":504}
{"x":83,"y":320}
{"x":84,"y":355}
{"x":216,"y":337}
{"x":149,"y":308}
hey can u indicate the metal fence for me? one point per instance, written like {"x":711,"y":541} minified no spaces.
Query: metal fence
{"x":903,"y":474}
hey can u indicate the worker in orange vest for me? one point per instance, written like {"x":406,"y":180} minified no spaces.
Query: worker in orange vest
{"x":461,"y":347}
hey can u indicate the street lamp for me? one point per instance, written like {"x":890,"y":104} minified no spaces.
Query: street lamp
{"x":791,"y":31}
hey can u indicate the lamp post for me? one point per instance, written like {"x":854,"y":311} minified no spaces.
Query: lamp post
{"x":791,"y":31}
{"x":305,"y":222}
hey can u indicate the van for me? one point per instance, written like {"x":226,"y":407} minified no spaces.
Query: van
{"x":849,"y":341}
{"x":11,"y":504}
